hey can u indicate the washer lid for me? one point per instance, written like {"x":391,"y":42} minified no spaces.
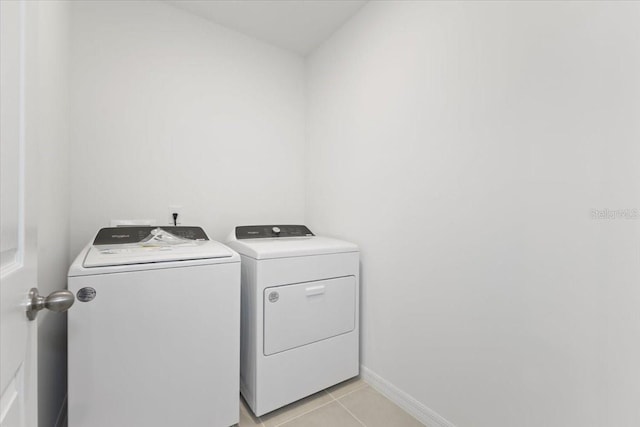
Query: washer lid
{"x":115,"y":246}
{"x":284,"y":247}
{"x":133,"y":253}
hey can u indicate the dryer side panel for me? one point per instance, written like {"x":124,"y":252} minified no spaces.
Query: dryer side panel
{"x":250,"y":327}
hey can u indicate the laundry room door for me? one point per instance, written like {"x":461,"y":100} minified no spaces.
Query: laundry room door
{"x":18,"y":231}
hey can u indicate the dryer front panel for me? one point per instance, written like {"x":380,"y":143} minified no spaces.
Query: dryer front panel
{"x":303,"y":313}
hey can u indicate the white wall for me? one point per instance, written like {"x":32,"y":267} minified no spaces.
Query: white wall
{"x":53,"y":194}
{"x":463,"y":146}
{"x":170,"y":109}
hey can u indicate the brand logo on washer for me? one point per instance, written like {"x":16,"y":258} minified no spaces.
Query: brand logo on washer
{"x":274,"y":296}
{"x":86,"y":294}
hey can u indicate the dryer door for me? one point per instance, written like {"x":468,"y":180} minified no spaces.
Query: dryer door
{"x":303,"y":313}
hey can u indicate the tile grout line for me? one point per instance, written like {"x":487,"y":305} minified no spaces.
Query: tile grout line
{"x":251,"y":415}
{"x":351,"y":413}
{"x":333,"y":399}
{"x":304,"y":413}
{"x":259,"y":419}
{"x":352,"y":391}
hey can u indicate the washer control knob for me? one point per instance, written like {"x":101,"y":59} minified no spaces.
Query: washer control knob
{"x":276,"y":230}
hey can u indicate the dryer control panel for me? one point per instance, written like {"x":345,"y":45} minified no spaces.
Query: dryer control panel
{"x":271,"y":231}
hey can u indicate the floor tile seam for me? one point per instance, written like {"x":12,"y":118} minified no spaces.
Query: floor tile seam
{"x":305,"y":413}
{"x":277,"y":425}
{"x":258,"y":418}
{"x":351,"y":413}
{"x":362,"y":385}
{"x":251,"y":415}
{"x":262,"y":424}
{"x":351,"y":392}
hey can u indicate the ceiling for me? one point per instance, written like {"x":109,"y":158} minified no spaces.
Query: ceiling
{"x":296,"y":25}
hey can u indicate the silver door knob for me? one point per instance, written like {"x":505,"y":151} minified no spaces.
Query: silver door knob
{"x":56,"y":301}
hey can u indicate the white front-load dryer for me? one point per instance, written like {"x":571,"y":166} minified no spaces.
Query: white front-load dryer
{"x":154,"y":337}
{"x":300,"y":313}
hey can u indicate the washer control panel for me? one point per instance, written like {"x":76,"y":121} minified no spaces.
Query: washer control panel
{"x":135,"y":234}
{"x":271,"y":231}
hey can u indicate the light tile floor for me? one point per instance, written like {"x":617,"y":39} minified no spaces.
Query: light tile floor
{"x":352,"y":403}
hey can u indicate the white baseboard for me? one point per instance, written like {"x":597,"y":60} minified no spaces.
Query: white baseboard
{"x":422,"y":413}
{"x":61,"y":421}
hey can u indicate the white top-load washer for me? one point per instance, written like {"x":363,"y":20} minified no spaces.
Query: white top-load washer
{"x":154,"y":336}
{"x":300,"y":313}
